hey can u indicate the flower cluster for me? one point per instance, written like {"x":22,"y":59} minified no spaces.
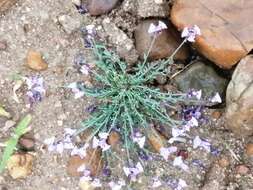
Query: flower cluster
{"x":36,"y":90}
{"x":88,"y":33}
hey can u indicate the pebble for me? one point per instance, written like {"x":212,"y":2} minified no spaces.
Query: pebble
{"x":113,"y":138}
{"x":35,"y":61}
{"x":249,"y":149}
{"x":223,"y":162}
{"x":69,"y":24}
{"x":216,"y":114}
{"x":8,"y":124}
{"x":27,"y":142}
{"x":242,"y":169}
{"x":20,"y":165}
{"x":99,"y":7}
{"x":3,"y":45}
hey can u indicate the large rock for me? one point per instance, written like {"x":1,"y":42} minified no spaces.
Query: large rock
{"x":6,"y":4}
{"x":239,"y":111}
{"x":165,"y":44}
{"x":201,"y":76}
{"x":99,"y":7}
{"x":226,"y":27}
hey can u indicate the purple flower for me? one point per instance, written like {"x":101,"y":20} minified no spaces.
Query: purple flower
{"x":143,"y":155}
{"x":178,"y":161}
{"x":81,"y":152}
{"x":216,"y":98}
{"x":194,"y":93}
{"x":89,"y":33}
{"x":139,"y":139}
{"x":117,"y":185}
{"x":101,"y":142}
{"x":79,"y":6}
{"x":156,"y":29}
{"x":190,"y":33}
{"x":36,"y":89}
{"x":156,"y":182}
{"x":75,"y":87}
{"x":197,"y":142}
{"x":181,"y":184}
{"x":165,"y":152}
{"x":133,"y":172}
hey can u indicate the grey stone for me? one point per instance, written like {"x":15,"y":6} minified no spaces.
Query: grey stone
{"x":239,"y":100}
{"x":201,"y":76}
{"x":69,"y":23}
{"x":123,"y":44}
{"x":99,"y":7}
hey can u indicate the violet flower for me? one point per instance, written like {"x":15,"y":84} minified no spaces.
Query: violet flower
{"x":86,"y":173}
{"x":89,"y":33}
{"x":190,"y":33}
{"x":81,"y":152}
{"x":101,"y":142}
{"x":216,"y":98}
{"x":96,"y":183}
{"x":79,"y":6}
{"x":139,"y":139}
{"x":178,"y":161}
{"x":181,"y":184}
{"x":117,"y":185}
{"x":76,"y":89}
{"x":133,"y":172}
{"x":156,"y":29}
{"x":194,"y":93}
{"x":165,"y":152}
{"x":36,"y":89}
{"x":156,"y":183}
{"x":197,"y":142}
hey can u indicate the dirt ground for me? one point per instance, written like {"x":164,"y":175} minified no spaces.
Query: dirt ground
{"x":33,"y":25}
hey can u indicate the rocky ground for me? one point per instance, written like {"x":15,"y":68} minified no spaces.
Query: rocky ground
{"x":45,"y":38}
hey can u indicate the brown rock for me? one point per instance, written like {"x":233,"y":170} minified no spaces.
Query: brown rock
{"x":249,"y":149}
{"x":35,"y":61}
{"x":92,"y":161}
{"x":216,"y":114}
{"x":241,"y":169}
{"x":3,"y":45}
{"x":239,"y":101}
{"x":114,"y":138}
{"x":225,"y":26}
{"x":27,"y":142}
{"x":20,"y":165}
{"x":223,"y":162}
{"x":165,"y":44}
{"x":155,"y":139}
{"x":99,"y":7}
{"x":6,"y":4}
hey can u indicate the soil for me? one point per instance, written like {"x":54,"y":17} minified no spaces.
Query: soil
{"x":33,"y":25}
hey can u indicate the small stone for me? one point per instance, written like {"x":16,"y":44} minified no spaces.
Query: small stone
{"x":156,"y":140}
{"x":20,"y":165}
{"x":3,"y":45}
{"x":27,"y":142}
{"x":249,"y":149}
{"x":6,"y":4}
{"x":223,"y":162}
{"x":216,"y":114}
{"x":8,"y":124}
{"x":161,"y":79}
{"x":86,"y":185}
{"x":242,"y":169}
{"x":113,"y":138}
{"x":95,"y":165}
{"x":69,"y":23}
{"x":35,"y":61}
{"x":165,"y":43}
{"x":99,"y":7}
